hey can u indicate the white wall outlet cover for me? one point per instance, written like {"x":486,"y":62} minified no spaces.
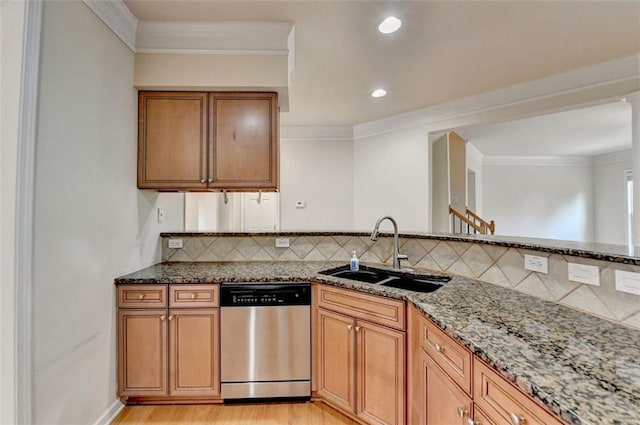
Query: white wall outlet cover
{"x":160,"y":215}
{"x":536,"y":263}
{"x":282,"y":242}
{"x":584,"y":274}
{"x":628,"y":282}
{"x":301,"y":204}
{"x":175,"y":243}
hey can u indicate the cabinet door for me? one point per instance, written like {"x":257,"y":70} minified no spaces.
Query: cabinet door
{"x":336,"y":359}
{"x":445,"y":403}
{"x":194,"y":347}
{"x":243,"y":129}
{"x":142,"y":352}
{"x":381,"y":374}
{"x":172,"y":140}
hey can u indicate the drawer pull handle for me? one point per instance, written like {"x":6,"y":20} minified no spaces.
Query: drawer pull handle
{"x":357,"y":328}
{"x":462,"y":412}
{"x":439,"y":348}
{"x":193,"y":296}
{"x":349,"y":327}
{"x":163,"y":317}
{"x":141,"y":297}
{"x":517,"y":419}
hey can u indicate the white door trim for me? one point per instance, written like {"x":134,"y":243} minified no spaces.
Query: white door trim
{"x":25,"y":192}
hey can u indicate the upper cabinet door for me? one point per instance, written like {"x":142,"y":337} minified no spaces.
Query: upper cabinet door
{"x":172,"y":140}
{"x":244,"y":140}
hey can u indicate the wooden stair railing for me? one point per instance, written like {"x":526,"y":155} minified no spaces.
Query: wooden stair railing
{"x":472,"y":221}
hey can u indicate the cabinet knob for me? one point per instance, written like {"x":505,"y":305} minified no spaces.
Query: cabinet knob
{"x":462,"y":412}
{"x":203,"y":180}
{"x":141,"y":297}
{"x":210,"y":180}
{"x":517,"y":419}
{"x":357,"y":328}
{"x":170,"y":316}
{"x":439,"y":348}
{"x":193,"y":296}
{"x":349,"y":327}
{"x":472,"y":422}
{"x":163,"y":317}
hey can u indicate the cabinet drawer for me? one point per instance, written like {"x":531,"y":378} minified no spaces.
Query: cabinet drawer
{"x":194,"y":296}
{"x":499,"y":400}
{"x":384,"y":311}
{"x":452,"y":357}
{"x":142,"y":296}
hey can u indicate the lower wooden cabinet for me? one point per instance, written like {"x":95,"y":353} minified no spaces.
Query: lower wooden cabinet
{"x":361,"y":367}
{"x":439,"y":384}
{"x":142,"y":353}
{"x":194,"y":352}
{"x":503,"y":403}
{"x":169,"y":353}
{"x":444,"y":403}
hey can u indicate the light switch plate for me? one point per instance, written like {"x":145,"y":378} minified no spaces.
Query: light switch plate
{"x":584,"y":274}
{"x":536,"y":263}
{"x":175,"y":243}
{"x":282,"y":242}
{"x":628,"y":282}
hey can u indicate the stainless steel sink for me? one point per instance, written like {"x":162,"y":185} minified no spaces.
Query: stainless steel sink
{"x":411,"y":282}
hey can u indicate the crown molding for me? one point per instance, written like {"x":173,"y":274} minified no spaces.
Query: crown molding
{"x":306,"y":133}
{"x":613,"y":157}
{"x":117,"y":16}
{"x":605,"y":73}
{"x":580,"y":161}
{"x":270,"y":37}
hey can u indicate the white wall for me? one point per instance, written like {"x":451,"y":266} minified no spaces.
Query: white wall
{"x":540,"y":201}
{"x":609,"y":193}
{"x":474,"y":162}
{"x":391,"y":177}
{"x":11,"y":48}
{"x":91,"y":223}
{"x":321,"y":174}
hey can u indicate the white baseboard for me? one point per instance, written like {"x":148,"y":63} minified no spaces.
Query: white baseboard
{"x":110,"y":414}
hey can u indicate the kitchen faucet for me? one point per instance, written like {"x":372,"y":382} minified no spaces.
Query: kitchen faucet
{"x":396,"y":254}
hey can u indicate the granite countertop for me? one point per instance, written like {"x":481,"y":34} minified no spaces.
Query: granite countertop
{"x":583,"y":368}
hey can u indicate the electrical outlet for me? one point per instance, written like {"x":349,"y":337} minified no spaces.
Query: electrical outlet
{"x":175,"y":243}
{"x":301,"y":204}
{"x":282,"y":242}
{"x":536,"y":263}
{"x":628,"y":282}
{"x":584,"y":274}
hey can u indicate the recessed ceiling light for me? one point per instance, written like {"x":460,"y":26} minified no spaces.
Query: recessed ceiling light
{"x":389,"y":25}
{"x":379,"y":93}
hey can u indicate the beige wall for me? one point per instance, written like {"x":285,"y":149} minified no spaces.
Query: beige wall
{"x":11,"y":35}
{"x":91,"y":222}
{"x":321,"y":174}
{"x":213,"y":72}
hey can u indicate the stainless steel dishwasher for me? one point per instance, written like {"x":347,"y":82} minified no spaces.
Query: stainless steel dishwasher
{"x":265,"y":340}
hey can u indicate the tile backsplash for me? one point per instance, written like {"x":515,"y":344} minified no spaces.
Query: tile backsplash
{"x":499,"y":265}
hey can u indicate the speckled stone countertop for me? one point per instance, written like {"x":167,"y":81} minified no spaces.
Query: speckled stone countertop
{"x":584,"y":369}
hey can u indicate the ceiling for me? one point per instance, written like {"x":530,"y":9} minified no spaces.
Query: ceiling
{"x":445,"y":50}
{"x":580,"y":132}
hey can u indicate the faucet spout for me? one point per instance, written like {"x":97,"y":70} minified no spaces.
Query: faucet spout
{"x":396,"y":251}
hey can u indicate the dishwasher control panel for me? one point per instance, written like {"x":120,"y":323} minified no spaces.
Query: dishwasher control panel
{"x":270,"y":294}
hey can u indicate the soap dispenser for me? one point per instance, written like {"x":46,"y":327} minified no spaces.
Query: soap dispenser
{"x":355,"y":263}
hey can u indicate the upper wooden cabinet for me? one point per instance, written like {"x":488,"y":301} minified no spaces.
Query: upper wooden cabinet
{"x":172,"y":140}
{"x":243,"y":129}
{"x":189,"y":140}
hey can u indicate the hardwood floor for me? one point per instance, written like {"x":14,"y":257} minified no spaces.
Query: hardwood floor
{"x":315,"y":413}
